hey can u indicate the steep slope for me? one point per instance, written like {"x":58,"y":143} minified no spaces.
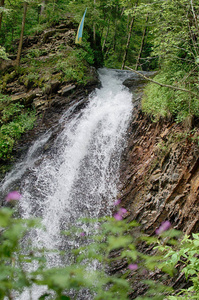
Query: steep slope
{"x":51,"y":66}
{"x":160,"y":174}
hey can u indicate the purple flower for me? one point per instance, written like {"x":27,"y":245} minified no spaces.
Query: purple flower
{"x":13,"y":196}
{"x":122,"y":211}
{"x":163,"y":227}
{"x":82,"y":233}
{"x":117,"y":202}
{"x":119,"y":215}
{"x":133,"y":267}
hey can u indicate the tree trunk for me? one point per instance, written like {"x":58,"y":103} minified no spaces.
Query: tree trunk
{"x":22,"y":32}
{"x":195,"y":47}
{"x":94,"y":25}
{"x":142,"y":43}
{"x":1,"y":14}
{"x":129,"y":37}
{"x":42,"y":7}
{"x":106,"y":36}
{"x":114,"y":37}
{"x":194,"y":16}
{"x":194,"y":35}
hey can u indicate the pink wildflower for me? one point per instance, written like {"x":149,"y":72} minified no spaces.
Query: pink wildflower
{"x":13,"y":196}
{"x":163,"y":227}
{"x":122,"y":211}
{"x":133,"y":267}
{"x":119,"y":215}
{"x":82,"y":233}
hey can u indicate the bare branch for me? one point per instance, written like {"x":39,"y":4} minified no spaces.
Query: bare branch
{"x":164,"y":85}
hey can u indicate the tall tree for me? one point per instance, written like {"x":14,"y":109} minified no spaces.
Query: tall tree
{"x":2,"y":2}
{"x":107,"y":32}
{"x":25,"y":7}
{"x":129,"y":36}
{"x":142,"y":42}
{"x":94,"y":25}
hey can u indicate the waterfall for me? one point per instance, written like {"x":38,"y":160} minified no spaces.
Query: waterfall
{"x":79,"y":174}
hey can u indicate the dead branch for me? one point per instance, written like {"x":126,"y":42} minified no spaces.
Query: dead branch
{"x":164,"y":85}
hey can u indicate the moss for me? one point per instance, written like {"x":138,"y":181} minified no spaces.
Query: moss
{"x":9,"y":77}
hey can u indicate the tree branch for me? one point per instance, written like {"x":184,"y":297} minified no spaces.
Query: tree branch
{"x":164,"y":85}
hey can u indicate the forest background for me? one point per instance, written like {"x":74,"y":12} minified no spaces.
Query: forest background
{"x":143,"y":35}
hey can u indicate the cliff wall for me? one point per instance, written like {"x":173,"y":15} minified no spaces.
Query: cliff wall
{"x":160,"y":173}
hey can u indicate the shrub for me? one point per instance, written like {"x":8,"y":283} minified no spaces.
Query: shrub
{"x":162,"y":101}
{"x":75,"y":66}
{"x":14,"y":121}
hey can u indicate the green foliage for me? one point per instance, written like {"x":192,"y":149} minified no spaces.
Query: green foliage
{"x":114,"y":242}
{"x":175,"y":44}
{"x":54,"y":11}
{"x":74,"y":67}
{"x":14,"y":121}
{"x":13,"y":277}
{"x":164,"y":102}
{"x":187,"y":256}
{"x":35,"y":52}
{"x":30,"y":79}
{"x":3,"y":53}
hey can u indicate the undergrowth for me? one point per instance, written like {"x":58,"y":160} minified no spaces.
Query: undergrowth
{"x":167,"y":102}
{"x":15,"y":120}
{"x":117,"y":242}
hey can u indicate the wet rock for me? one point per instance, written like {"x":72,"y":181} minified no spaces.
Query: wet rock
{"x":55,"y":84}
{"x":93,"y":78}
{"x":174,"y":177}
{"x":25,"y":98}
{"x":134,"y":81}
{"x":67,"y":89}
{"x":59,"y":101}
{"x":155,"y":178}
{"x":38,"y":103}
{"x":5,"y":65}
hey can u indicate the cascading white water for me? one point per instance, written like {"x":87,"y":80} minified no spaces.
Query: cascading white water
{"x":79,"y":176}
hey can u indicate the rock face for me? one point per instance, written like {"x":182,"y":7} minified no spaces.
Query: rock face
{"x":160,"y":174}
{"x":159,"y":180}
{"x":137,"y":81}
